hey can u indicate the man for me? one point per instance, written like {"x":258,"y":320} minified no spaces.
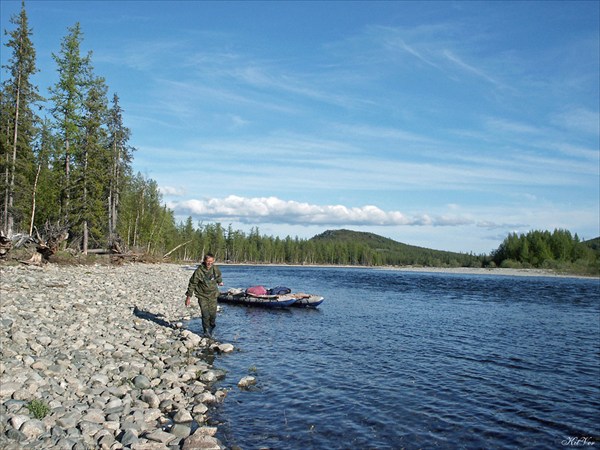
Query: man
{"x":204,"y":284}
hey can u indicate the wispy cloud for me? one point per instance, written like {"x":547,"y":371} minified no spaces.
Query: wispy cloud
{"x":469,"y":68}
{"x":579,"y":119}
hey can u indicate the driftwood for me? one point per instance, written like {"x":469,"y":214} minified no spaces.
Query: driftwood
{"x":179,"y":246}
{"x":99,"y":251}
{"x":47,"y":246}
{"x":8,"y":243}
{"x":5,"y":245}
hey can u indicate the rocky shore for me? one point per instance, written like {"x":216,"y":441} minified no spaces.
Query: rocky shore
{"x":99,"y":357}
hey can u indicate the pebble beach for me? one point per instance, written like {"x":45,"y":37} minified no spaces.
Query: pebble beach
{"x":98,"y":357}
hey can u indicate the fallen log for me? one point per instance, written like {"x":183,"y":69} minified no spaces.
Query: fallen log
{"x":179,"y":246}
{"x":100,"y":251}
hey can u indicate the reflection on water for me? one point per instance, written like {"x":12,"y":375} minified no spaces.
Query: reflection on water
{"x":412,"y":360}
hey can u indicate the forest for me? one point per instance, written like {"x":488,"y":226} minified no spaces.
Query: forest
{"x":67,"y":183}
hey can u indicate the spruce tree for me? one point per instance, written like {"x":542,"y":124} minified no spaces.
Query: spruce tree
{"x":94,"y":162}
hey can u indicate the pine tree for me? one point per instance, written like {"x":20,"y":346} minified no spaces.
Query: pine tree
{"x":17,"y":128}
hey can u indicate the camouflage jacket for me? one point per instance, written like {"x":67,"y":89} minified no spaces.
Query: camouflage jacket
{"x":204,"y":282}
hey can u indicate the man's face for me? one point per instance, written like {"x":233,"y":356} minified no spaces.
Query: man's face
{"x":209,"y":261}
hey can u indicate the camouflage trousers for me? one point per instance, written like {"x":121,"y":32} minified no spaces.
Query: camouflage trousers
{"x":208,"y":306}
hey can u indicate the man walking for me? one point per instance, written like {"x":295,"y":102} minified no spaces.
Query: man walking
{"x":204,"y":284}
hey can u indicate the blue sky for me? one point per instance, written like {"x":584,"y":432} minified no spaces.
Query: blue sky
{"x":441,"y":124}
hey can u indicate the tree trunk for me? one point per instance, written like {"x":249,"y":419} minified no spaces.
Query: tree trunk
{"x":67,"y":187}
{"x":33,"y":199}
{"x":84,"y":244}
{"x":13,"y":163}
{"x":6,"y":178}
{"x":85,"y":240}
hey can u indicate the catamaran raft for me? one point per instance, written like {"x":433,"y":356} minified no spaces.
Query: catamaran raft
{"x":278,"y":297}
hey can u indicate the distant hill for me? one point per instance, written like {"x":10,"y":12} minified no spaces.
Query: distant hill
{"x":594,"y":244}
{"x":389,"y":252}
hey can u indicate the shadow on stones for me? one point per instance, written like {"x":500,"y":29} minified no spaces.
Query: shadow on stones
{"x":147,"y":315}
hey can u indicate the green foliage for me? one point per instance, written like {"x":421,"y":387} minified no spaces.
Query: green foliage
{"x":340,"y":247}
{"x":38,"y":408}
{"x":18,"y":107}
{"x":358,"y":248}
{"x":559,"y":250}
{"x":593,"y":244}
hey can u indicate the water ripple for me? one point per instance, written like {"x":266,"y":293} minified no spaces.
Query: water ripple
{"x":394,"y":360}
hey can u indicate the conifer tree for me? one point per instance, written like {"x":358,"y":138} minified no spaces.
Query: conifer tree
{"x":94,"y":162}
{"x":68,"y":95}
{"x":17,"y":127}
{"x":120,"y":164}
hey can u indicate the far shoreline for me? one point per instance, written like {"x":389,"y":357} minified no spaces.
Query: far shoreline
{"x":496,"y":271}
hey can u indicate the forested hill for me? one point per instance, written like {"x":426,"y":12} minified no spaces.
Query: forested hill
{"x":389,"y":252}
{"x":594,"y":244}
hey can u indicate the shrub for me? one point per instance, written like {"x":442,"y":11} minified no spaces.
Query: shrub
{"x":38,"y":408}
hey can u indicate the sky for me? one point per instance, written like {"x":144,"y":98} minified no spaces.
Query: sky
{"x":446,"y":125}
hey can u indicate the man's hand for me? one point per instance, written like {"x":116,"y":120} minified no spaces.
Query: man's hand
{"x":188,"y":301}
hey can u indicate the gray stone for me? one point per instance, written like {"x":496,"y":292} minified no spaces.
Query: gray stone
{"x":166,"y":405}
{"x":57,"y":432}
{"x":208,"y":376}
{"x":225,"y":348}
{"x":201,"y":441}
{"x":151,"y":398}
{"x":100,"y":378}
{"x":114,"y":403}
{"x":6,"y":323}
{"x":246,"y":381}
{"x":129,"y":437}
{"x":209,"y":431}
{"x":141,"y":382}
{"x":94,"y":415}
{"x":160,"y":436}
{"x":7,"y":389}
{"x":149,"y":446}
{"x":106,"y":441}
{"x":89,"y":428}
{"x":69,"y":420}
{"x":200,"y":408}
{"x":181,"y":430}
{"x":182,"y":416}
{"x":16,"y":435}
{"x":32,"y":428}
{"x":18,"y":420}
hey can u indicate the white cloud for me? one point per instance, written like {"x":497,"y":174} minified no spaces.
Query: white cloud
{"x":172,"y":191}
{"x":275,"y":210}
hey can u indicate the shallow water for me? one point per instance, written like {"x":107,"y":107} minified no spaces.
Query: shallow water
{"x":412,"y":360}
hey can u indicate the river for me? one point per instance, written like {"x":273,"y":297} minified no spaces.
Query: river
{"x":397,"y":359}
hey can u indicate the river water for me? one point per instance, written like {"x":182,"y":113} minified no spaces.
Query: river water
{"x":410,"y":360}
